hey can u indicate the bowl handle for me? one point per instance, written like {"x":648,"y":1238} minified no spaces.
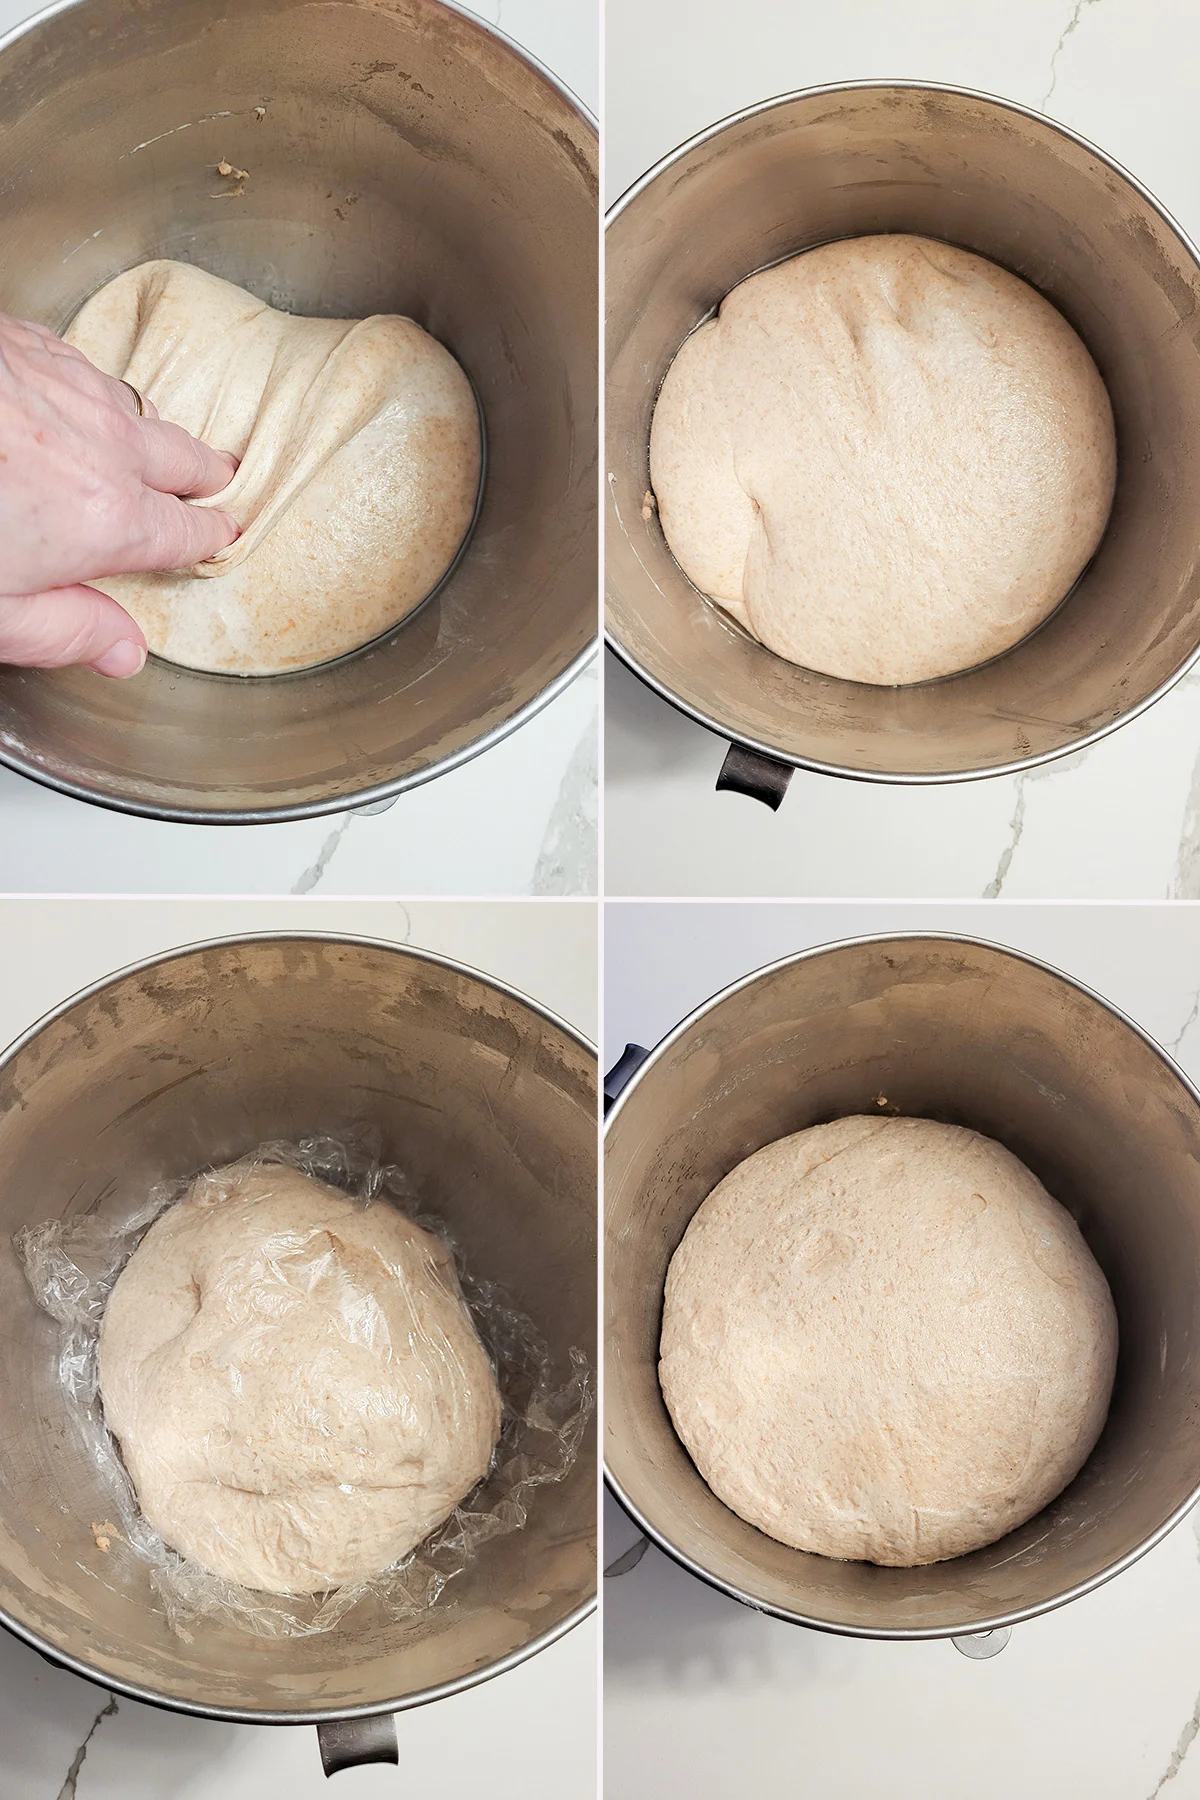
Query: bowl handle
{"x":746,"y":771}
{"x":626,"y":1066}
{"x":347,"y":1742}
{"x":979,"y":1645}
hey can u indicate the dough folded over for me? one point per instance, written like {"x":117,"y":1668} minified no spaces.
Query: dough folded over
{"x":296,"y":1384}
{"x":888,"y":458}
{"x":883,"y":1340}
{"x":360,"y":457}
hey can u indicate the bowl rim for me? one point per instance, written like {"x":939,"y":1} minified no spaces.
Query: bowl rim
{"x":319,"y":1715}
{"x":814,"y":765}
{"x":909,"y":1634}
{"x":382,"y":793}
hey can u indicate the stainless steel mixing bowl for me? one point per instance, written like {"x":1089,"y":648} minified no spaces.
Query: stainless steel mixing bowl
{"x":991,"y":176}
{"x":408,"y":159}
{"x":190,"y":1059}
{"x":964,"y":1031}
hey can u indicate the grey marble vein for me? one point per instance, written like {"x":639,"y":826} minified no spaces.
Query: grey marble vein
{"x":315,"y":871}
{"x":1193,"y":1015}
{"x":1186,"y":885}
{"x":1191,"y":1730}
{"x":1187,"y":1738}
{"x":1016,"y":826}
{"x":567,"y":862}
{"x":1072,"y":25}
{"x":69,"y":1786}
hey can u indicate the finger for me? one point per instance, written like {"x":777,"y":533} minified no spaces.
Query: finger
{"x":41,"y":341}
{"x":174,"y":462}
{"x":175,"y":535}
{"x":33,"y":328}
{"x":70,"y":625}
{"x":61,"y":371}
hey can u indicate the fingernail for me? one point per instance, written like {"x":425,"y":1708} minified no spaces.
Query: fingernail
{"x":122,"y":659}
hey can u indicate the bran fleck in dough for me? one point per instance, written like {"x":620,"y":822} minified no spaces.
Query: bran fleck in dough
{"x":889,"y":459}
{"x":296,"y":1384}
{"x":882,"y":1340}
{"x":359,"y":451}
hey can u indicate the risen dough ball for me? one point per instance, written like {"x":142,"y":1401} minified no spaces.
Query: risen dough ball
{"x":888,"y":458}
{"x":298,"y":1390}
{"x":883,"y":1340}
{"x":360,"y":454}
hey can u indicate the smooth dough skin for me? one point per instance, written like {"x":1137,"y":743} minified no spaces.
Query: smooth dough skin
{"x":889,"y":459}
{"x":296,"y":1385}
{"x":360,"y":456}
{"x":883,"y":1341}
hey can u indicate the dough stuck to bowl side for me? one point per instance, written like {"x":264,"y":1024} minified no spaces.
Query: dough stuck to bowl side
{"x":297,"y":1387}
{"x":888,"y":458}
{"x":884,"y":1341}
{"x":360,"y":456}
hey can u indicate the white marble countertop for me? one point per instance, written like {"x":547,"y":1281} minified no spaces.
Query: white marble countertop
{"x":1097,"y":1701}
{"x":529,"y":1732}
{"x":1119,"y":820}
{"x":519,"y":819}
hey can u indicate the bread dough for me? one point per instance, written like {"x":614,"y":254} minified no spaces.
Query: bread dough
{"x":888,"y":458}
{"x":883,"y":1340}
{"x":298,"y":1390}
{"x":360,"y":455}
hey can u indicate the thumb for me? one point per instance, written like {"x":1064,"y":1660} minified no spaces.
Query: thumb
{"x":70,"y":625}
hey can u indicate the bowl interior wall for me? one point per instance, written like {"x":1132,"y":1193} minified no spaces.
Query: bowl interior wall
{"x":991,"y":179}
{"x":973,"y":1036}
{"x":488,"y":1106}
{"x":407,"y":160}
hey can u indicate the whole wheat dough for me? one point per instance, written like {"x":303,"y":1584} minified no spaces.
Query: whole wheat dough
{"x":883,"y":1340}
{"x":360,"y":455}
{"x":298,"y":1390}
{"x":888,"y":458}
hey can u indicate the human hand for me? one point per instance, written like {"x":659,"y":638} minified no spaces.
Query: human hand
{"x":88,"y":489}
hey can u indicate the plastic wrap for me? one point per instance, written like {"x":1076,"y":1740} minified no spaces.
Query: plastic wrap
{"x":385,"y":1376}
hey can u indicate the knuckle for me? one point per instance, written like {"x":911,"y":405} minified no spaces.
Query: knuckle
{"x":75,"y":646}
{"x":175,"y":541}
{"x":174,"y":452}
{"x":49,"y":630}
{"x":120,"y":424}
